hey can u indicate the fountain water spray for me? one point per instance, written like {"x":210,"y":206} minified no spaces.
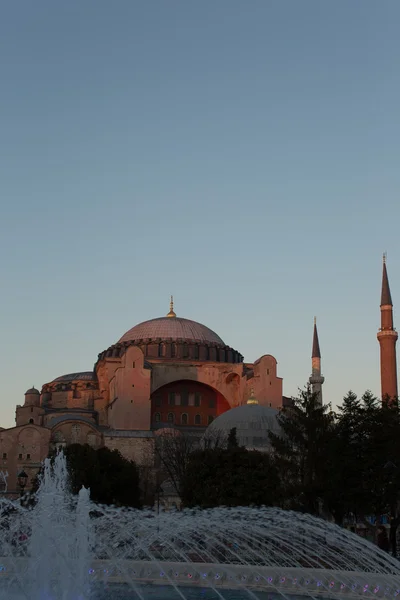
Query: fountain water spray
{"x":68,"y":548}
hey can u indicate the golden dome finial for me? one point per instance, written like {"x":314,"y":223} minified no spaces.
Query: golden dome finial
{"x":252,"y":399}
{"x":171,"y":308}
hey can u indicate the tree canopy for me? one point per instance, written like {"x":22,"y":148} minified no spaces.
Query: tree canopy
{"x":231,"y":476}
{"x":111,"y":478}
{"x":343,"y":463}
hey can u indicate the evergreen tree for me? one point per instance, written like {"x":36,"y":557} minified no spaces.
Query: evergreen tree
{"x":381,"y":455}
{"x":343,"y":492}
{"x":232,"y":439}
{"x":301,"y":449}
{"x":363,"y":459}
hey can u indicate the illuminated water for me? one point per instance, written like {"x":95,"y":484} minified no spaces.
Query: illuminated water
{"x":67,"y":548}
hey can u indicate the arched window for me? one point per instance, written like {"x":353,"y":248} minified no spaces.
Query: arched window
{"x":75,"y":433}
{"x":210,"y":419}
{"x":171,"y":418}
{"x":91,"y":439}
{"x":184,"y":419}
{"x":31,"y":421}
{"x":197,"y":420}
{"x":157,"y":417}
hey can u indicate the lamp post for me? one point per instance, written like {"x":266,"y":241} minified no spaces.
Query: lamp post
{"x":22,"y":481}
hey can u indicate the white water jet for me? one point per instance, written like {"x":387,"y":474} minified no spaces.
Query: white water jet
{"x":48,"y":553}
{"x":67,"y":548}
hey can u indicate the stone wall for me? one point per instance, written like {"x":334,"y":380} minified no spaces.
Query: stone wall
{"x":130,"y":405}
{"x":23,"y":448}
{"x":138,"y":449}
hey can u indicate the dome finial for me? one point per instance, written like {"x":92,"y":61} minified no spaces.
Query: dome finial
{"x":171,"y":308}
{"x":384,"y":257}
{"x":252,"y":399}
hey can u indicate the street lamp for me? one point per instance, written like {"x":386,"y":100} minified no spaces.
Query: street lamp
{"x":22,"y":481}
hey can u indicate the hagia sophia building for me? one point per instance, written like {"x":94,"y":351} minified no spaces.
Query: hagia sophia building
{"x":163,"y":373}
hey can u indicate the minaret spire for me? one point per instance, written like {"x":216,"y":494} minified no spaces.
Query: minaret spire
{"x":316,"y":352}
{"x":386,"y":297}
{"x":316,"y":380}
{"x":387,"y":338}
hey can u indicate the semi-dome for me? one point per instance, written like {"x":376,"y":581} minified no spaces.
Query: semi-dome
{"x":172,"y":327}
{"x":253,"y":423}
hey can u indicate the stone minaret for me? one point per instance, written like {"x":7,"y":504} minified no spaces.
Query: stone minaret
{"x":316,"y":380}
{"x":387,"y":338}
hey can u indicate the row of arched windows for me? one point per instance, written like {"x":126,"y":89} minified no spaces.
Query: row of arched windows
{"x":184,"y":419}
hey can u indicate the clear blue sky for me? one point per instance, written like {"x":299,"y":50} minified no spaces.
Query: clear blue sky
{"x":241,"y":155}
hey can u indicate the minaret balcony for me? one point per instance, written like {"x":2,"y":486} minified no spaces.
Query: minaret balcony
{"x":382,"y":333}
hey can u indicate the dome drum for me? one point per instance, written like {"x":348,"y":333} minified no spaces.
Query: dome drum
{"x":179,"y":349}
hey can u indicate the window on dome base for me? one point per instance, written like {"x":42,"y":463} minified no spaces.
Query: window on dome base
{"x":210,"y":419}
{"x":184,"y":419}
{"x":171,"y":398}
{"x":171,"y":418}
{"x":197,"y":420}
{"x":157,"y":417}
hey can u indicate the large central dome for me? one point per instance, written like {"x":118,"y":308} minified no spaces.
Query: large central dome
{"x":174,"y":328}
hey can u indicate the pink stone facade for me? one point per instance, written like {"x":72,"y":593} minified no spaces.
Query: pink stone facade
{"x":137,"y":387}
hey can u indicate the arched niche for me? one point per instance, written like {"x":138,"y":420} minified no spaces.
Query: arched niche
{"x":186,"y":403}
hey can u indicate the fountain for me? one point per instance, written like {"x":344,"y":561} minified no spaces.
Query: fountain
{"x":67,"y":548}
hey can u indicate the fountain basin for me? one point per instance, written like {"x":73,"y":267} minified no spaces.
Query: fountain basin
{"x":280,"y":580}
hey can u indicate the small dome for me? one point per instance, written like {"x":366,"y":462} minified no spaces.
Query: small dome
{"x":172,"y":328}
{"x":82,"y":376}
{"x":253,"y":423}
{"x":32,"y":390}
